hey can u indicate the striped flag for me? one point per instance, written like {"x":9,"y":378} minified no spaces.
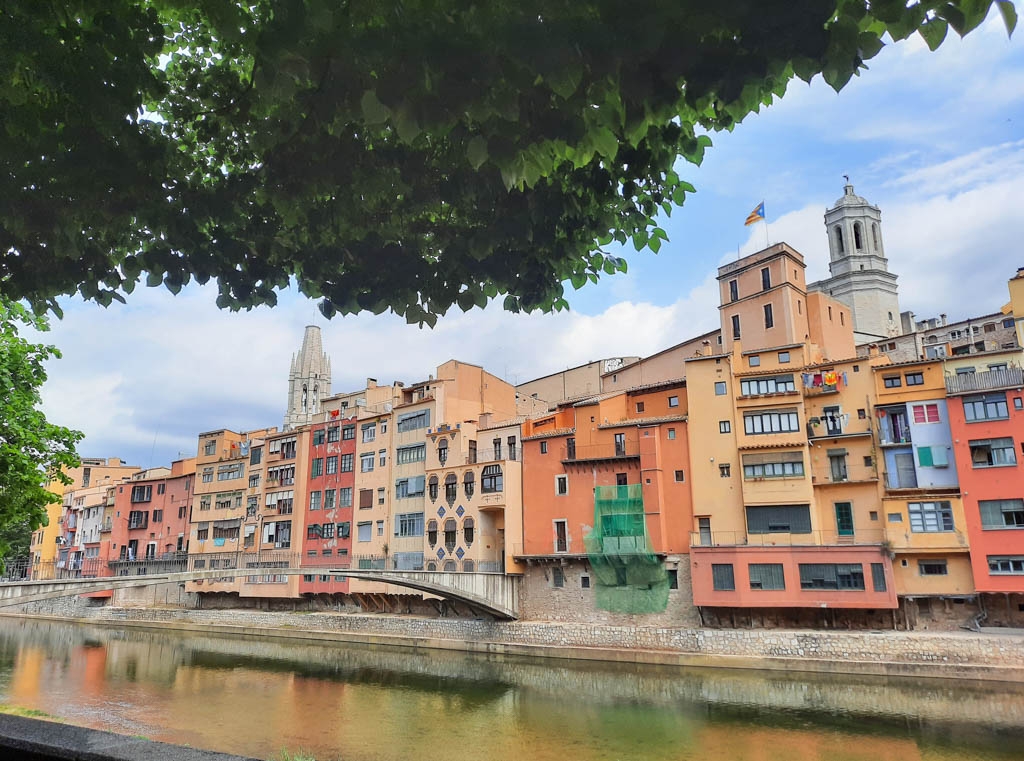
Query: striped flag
{"x":756,"y":215}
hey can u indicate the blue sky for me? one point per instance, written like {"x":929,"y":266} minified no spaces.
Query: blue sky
{"x":935,"y":139}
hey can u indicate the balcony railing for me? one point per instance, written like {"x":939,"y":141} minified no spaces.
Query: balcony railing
{"x":611,"y":451}
{"x":1011,"y":377}
{"x":817,"y":538}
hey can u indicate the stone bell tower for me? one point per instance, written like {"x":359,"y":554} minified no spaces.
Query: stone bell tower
{"x":859,"y":270}
{"x":309,"y":380}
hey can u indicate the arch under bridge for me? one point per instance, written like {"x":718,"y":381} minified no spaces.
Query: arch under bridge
{"x":493,"y":593}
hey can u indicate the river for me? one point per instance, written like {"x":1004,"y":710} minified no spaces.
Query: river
{"x":261,"y":697}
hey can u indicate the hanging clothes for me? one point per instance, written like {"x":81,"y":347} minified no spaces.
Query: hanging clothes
{"x":845,"y":381}
{"x":830,"y":378}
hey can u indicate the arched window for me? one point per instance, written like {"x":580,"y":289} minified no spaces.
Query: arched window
{"x":449,"y":565}
{"x":315,"y":401}
{"x":469,"y":484}
{"x":431,"y":532}
{"x":442,"y":451}
{"x":932,"y":339}
{"x":305,"y":398}
{"x":431,"y":566}
{"x":491,"y":480}
{"x":468,"y":528}
{"x":432,"y":487}
{"x":450,"y":530}
{"x":451,"y":488}
{"x":858,"y":237}
{"x":839,"y":239}
{"x":874,"y":236}
{"x":468,"y":566}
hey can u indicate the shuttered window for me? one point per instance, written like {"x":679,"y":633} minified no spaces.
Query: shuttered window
{"x":779,"y":519}
{"x":766,"y":576}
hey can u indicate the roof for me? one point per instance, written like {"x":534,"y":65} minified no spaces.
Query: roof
{"x":658,"y":384}
{"x":776,"y":445}
{"x":639,"y":421}
{"x":829,"y":363}
{"x":668,"y":349}
{"x":770,"y":348}
{"x":550,"y":434}
{"x":910,"y":362}
{"x":517,"y":420}
{"x":588,"y":399}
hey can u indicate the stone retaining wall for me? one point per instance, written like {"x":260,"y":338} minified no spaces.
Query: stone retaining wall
{"x":948,"y":654}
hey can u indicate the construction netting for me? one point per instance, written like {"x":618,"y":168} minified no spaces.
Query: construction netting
{"x":628,"y":576}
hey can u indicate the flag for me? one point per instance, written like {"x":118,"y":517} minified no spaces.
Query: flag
{"x":756,"y":215}
{"x":334,"y":413}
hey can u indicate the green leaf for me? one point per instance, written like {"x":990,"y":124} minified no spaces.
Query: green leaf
{"x":606,"y":143}
{"x":374,"y":112}
{"x":1009,"y":13}
{"x":934,"y":32}
{"x":407,"y":126}
{"x":476,"y":151}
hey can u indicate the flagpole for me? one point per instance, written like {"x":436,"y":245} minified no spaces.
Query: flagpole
{"x":766,"y":243}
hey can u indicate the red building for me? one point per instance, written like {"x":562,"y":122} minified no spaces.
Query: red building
{"x":149,"y":518}
{"x":327,"y":517}
{"x":986,"y":416}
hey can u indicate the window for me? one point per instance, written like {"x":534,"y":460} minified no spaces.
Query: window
{"x":491,"y":479}
{"x":329,"y":495}
{"x":671,"y":434}
{"x":680,"y":476}
{"x":736,"y":326}
{"x":783,"y":357}
{"x":451,"y":488}
{"x":734,"y":290}
{"x":724,"y":471}
{"x":766,"y":576}
{"x":314,"y":500}
{"x":770,"y":422}
{"x":318,"y":467}
{"x":365,"y":499}
{"x":932,"y":457}
{"x":412,"y":421}
{"x":469,"y":484}
{"x":380,"y":495}
{"x":442,"y":451}
{"x":561,"y":485}
{"x":779,"y":384}
{"x":142,"y":493}
{"x":779,"y":519}
{"x":985,"y":407}
{"x":673,"y":401}
{"x":585,"y":581}
{"x":345,"y":496}
{"x":347,"y":463}
{"x":160,"y":488}
{"x":1001,"y":513}
{"x":327,"y":531}
{"x":210,"y":448}
{"x":432,"y":532}
{"x":930,"y":517}
{"x":720,"y":388}
{"x":831,"y":576}
{"x":318,"y":437}
{"x":369,"y":432}
{"x":333,"y":434}
{"x":410,"y":487}
{"x":204,"y":503}
{"x":561,"y":536}
{"x":992,"y":453}
{"x":557,"y":577}
{"x":878,"y":576}
{"x":914,"y":379}
{"x":364,"y":532}
{"x":254,"y":481}
{"x":891,"y":381}
{"x":332,"y":464}
{"x":468,"y":531}
{"x":202,"y":532}
{"x":348,"y":433}
{"x":868,"y":461}
{"x":754,"y":360}
{"x":543,"y":447}
{"x":769,"y":319}
{"x":382,"y":458}
{"x":158,"y":516}
{"x":432,"y":488}
{"x":722,"y":577}
{"x":450,"y":532}
{"x":925,"y":413}
{"x":366,"y":462}
{"x":932,"y":568}
{"x":413,"y":453}
{"x":256,"y":456}
{"x":781,"y":465}
{"x":1011,"y":564}
{"x":724,"y":426}
{"x":409,"y":524}
{"x":639,"y":406}
{"x":766,"y":279}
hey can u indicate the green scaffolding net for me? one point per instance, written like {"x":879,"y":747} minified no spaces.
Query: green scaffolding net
{"x":628,"y":576}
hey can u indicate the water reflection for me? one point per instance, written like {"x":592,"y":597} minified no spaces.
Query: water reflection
{"x":371,"y":704}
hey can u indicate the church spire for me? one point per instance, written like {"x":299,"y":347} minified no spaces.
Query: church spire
{"x":309,"y":380}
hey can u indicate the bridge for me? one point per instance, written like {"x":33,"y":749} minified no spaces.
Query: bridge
{"x":492,"y":593}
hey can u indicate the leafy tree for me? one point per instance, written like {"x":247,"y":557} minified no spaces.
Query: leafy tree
{"x":33,"y":452}
{"x":402,"y":154}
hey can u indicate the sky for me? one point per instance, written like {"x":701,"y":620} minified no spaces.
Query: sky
{"x":936,"y":140}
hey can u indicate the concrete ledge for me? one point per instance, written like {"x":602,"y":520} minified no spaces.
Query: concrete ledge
{"x":932,"y":670}
{"x":37,"y":740}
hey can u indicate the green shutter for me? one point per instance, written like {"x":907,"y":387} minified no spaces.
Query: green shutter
{"x":924,"y":457}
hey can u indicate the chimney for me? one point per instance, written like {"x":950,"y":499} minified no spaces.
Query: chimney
{"x":943,"y":318}
{"x":371,"y":383}
{"x":873,"y":350}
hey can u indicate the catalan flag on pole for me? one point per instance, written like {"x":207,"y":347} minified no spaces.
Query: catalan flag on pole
{"x":756,"y":215}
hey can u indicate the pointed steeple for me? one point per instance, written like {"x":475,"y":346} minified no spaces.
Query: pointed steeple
{"x":309,"y":380}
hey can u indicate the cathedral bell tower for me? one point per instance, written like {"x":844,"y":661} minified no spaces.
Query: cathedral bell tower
{"x":859,"y":270}
{"x":309,"y":380}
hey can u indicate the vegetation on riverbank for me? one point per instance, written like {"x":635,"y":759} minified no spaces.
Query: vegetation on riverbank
{"x":30,"y":713}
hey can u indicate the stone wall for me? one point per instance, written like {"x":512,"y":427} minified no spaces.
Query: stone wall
{"x":962,"y":655}
{"x":167,"y":595}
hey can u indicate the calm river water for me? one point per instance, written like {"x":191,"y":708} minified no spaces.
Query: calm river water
{"x":371,"y":704}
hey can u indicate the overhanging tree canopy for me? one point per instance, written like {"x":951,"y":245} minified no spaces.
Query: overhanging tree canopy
{"x":410,"y":154}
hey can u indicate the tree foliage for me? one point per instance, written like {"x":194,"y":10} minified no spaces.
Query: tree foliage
{"x":402,"y":154}
{"x":33,"y":451}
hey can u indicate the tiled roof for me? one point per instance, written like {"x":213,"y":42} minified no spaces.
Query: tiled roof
{"x":645,"y":421}
{"x":831,"y":362}
{"x":588,"y":399}
{"x":549,"y":434}
{"x":908,"y":363}
{"x":776,"y":445}
{"x":657,"y":384}
{"x":517,"y":420}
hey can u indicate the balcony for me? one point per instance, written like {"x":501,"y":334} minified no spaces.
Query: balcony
{"x":818,"y":538}
{"x":990,"y":380}
{"x":494,"y":455}
{"x":620,"y":450}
